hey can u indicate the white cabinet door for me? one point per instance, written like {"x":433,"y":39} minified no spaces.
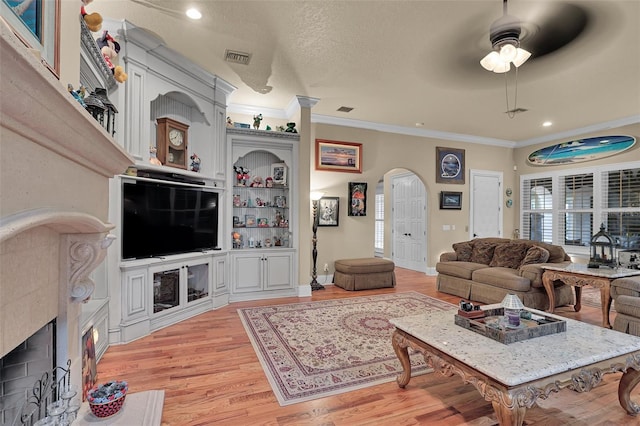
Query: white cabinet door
{"x":220,"y":279}
{"x":134,"y":294}
{"x":247,"y":272}
{"x":278,"y":271}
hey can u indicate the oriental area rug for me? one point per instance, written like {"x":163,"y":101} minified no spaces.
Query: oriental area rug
{"x":316,"y":349}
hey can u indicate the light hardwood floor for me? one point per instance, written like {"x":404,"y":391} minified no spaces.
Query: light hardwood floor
{"x":211,"y":375}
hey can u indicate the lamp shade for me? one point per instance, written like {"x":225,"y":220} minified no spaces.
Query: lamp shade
{"x":511,"y":301}
{"x":315,"y":196}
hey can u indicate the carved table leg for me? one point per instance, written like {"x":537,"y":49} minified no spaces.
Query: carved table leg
{"x":578,"y":305}
{"x":548,"y":286}
{"x":605,"y":300}
{"x":628,"y":381}
{"x":403,"y":355}
{"x":513,"y":416}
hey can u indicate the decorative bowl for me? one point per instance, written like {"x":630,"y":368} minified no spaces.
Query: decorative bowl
{"x":107,"y":399}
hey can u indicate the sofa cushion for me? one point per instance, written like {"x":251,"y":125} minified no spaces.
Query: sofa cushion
{"x":482,"y":252}
{"x":556,"y":253}
{"x":463,"y":251}
{"x":535,"y":254}
{"x":508,"y":255}
{"x":498,"y":276}
{"x":459,"y":269}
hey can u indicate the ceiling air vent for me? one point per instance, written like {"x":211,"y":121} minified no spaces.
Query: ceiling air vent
{"x":237,"y":57}
{"x":516,"y":111}
{"x":345,"y":109}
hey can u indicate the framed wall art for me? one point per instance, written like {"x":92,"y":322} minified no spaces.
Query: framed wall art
{"x":451,"y":200}
{"x":89,"y":370}
{"x":357,"y":199}
{"x":449,"y":165}
{"x":279,"y":173}
{"x":338,"y":156}
{"x":328,"y":209}
{"x":36,"y":23}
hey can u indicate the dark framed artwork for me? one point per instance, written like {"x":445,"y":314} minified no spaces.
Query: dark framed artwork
{"x":36,"y":23}
{"x":449,"y":165}
{"x":451,"y":200}
{"x":357,"y":199}
{"x":338,"y":156}
{"x":328,"y":209}
{"x":89,"y":370}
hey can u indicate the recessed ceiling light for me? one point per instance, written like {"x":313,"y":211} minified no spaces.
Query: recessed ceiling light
{"x":419,"y":124}
{"x":547,"y":124}
{"x":194,"y":13}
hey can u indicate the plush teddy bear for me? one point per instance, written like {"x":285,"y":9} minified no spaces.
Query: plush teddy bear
{"x":257,"y":182}
{"x":110,"y":49}
{"x":93,"y":20}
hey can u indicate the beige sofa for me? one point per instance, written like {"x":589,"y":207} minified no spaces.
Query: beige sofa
{"x":487,"y":269}
{"x":625,"y":293}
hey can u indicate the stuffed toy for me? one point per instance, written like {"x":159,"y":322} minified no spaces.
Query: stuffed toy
{"x":257,"y":182}
{"x":93,"y":20}
{"x":110,"y":49}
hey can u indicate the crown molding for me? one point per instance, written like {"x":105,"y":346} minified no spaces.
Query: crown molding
{"x":599,"y":127}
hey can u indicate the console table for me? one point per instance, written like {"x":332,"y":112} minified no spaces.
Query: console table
{"x":512,"y":377}
{"x":578,"y":275}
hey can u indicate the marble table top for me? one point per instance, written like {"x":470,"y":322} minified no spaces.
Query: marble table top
{"x":521,"y":362}
{"x":579,"y":268}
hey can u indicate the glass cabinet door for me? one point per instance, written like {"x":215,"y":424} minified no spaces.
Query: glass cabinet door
{"x":197,"y":281}
{"x":166,"y":289}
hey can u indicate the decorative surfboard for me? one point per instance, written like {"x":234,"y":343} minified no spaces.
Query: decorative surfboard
{"x":580,"y":150}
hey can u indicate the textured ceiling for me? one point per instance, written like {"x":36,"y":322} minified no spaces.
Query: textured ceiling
{"x":399,"y":63}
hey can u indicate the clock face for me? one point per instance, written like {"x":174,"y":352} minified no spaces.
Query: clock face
{"x":176,"y":137}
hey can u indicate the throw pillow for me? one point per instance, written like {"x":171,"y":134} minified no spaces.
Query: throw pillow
{"x":463,"y":251}
{"x":509,"y":255}
{"x":482,"y":252}
{"x":535,"y":254}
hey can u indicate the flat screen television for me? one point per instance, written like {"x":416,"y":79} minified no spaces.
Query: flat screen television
{"x":160,"y":218}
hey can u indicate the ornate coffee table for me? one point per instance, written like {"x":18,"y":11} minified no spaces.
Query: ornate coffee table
{"x":578,"y":275}
{"x":512,"y":377}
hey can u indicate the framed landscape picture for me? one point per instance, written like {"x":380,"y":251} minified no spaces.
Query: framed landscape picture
{"x":449,"y":165}
{"x":451,"y":200}
{"x":338,"y":156}
{"x":328,"y":209}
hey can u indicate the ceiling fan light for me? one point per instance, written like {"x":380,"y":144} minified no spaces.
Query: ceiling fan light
{"x":502,"y":67}
{"x":508,"y":52}
{"x":521,"y":57}
{"x":490,"y":61}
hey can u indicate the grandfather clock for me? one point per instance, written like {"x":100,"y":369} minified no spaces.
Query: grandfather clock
{"x":171,"y":142}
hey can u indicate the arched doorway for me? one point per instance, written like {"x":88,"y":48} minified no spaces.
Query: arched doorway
{"x":401,"y":209}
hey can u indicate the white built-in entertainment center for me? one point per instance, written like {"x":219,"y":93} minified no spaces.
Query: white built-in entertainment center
{"x":156,"y":275}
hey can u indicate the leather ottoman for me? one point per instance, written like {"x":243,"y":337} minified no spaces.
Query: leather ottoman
{"x":364,"y":274}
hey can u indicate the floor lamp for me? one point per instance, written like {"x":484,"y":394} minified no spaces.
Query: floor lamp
{"x":315,"y":197}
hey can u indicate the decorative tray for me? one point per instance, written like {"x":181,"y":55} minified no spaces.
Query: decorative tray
{"x":493,"y":326}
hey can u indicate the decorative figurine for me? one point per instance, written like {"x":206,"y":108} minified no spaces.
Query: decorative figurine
{"x":256,"y":121}
{"x":153,"y":159}
{"x":195,"y":162}
{"x":291,"y":128}
{"x":229,"y":122}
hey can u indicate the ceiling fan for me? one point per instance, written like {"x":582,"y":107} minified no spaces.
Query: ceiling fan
{"x":546,"y":28}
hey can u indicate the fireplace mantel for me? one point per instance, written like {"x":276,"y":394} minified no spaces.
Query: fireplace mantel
{"x":55,"y":166}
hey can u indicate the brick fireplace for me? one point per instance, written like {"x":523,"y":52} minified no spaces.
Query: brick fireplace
{"x":55,"y":165}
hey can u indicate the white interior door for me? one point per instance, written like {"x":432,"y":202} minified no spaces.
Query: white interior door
{"x":409,"y":222}
{"x":486,"y":204}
